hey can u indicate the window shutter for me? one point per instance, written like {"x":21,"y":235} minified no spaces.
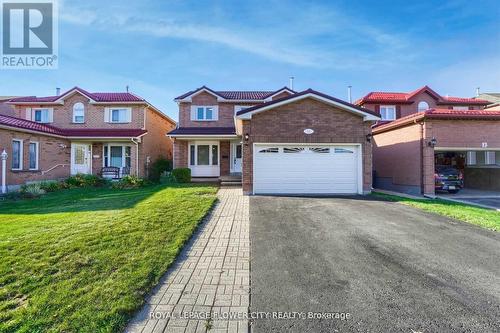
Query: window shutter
{"x":128,"y":115}
{"x":193,"y":113}
{"x":50,"y":115}
{"x":28,"y":114}
{"x":377,"y":109}
{"x":398,"y":111}
{"x":216,"y":113}
{"x":106,"y":115}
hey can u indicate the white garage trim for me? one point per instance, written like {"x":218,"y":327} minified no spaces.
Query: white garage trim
{"x":359,"y":152}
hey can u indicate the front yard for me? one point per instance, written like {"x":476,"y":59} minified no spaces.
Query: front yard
{"x":485,"y":218}
{"x":82,"y":260}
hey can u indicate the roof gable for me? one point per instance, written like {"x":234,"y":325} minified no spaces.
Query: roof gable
{"x":234,"y":95}
{"x":309,"y":93}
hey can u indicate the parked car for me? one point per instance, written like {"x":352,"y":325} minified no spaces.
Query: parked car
{"x":448,"y":178}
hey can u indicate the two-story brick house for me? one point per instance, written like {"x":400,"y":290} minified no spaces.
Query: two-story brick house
{"x":422,"y":132}
{"x":81,"y":132}
{"x":279,"y":141}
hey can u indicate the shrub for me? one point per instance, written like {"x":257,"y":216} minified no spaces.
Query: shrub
{"x":32,"y":190}
{"x":129,"y":182}
{"x":158,"y":167}
{"x":81,"y":180}
{"x":51,"y":186}
{"x":182,"y":175}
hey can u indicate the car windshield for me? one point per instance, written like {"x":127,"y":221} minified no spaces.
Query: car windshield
{"x":447,"y":170}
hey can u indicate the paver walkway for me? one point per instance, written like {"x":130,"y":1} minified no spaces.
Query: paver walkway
{"x":210,"y":276}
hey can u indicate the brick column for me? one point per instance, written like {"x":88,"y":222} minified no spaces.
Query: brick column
{"x":225,"y":157}
{"x":247,"y":167}
{"x":428,"y":161}
{"x":180,"y":154}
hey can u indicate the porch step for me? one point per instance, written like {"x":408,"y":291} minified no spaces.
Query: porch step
{"x":232,"y":180}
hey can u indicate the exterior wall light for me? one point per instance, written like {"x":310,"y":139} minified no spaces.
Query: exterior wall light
{"x":369,"y":137}
{"x":433,"y":142}
{"x":247,"y":136}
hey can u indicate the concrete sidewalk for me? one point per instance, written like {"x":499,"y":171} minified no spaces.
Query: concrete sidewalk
{"x":212,"y":274}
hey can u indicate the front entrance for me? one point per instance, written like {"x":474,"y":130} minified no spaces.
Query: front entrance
{"x":236,"y":155}
{"x":80,"y":158}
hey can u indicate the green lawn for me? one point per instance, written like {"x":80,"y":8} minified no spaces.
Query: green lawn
{"x":485,"y":218}
{"x":82,"y":260}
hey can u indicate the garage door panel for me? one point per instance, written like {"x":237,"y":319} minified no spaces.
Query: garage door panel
{"x":294,"y":169}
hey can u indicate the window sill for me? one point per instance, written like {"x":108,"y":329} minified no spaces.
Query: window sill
{"x":120,"y":122}
{"x":204,"y":120}
{"x":24,"y":171}
{"x":75,"y":123}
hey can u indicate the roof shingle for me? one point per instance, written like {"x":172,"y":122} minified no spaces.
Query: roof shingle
{"x":105,"y":97}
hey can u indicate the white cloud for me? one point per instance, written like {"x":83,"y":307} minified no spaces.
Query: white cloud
{"x":281,"y":44}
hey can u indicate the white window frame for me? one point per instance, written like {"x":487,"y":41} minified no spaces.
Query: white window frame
{"x":128,"y":118}
{"x":48,"y":113}
{"x":37,"y":154}
{"x":108,"y":155}
{"x":388,"y":107}
{"x":490,"y":158}
{"x":194,"y":112}
{"x":210,"y":156}
{"x":471,"y":158}
{"x":21,"y":154}
{"x":419,"y":109}
{"x":461,"y":108}
{"x":75,"y":110}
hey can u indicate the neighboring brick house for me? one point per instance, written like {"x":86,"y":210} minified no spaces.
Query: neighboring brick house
{"x":395,"y":105}
{"x":81,"y":132}
{"x":279,"y":141}
{"x":431,"y":131}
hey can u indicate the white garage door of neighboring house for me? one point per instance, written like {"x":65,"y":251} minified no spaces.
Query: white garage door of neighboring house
{"x":311,"y":169}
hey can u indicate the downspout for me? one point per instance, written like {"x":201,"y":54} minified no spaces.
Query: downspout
{"x":136,"y":156}
{"x":421,"y":157}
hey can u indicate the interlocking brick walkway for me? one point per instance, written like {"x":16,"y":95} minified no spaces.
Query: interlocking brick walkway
{"x":212,"y":274}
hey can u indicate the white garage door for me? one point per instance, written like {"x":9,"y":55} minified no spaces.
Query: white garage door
{"x":312,"y":169}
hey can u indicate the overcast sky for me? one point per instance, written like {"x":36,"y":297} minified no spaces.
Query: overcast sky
{"x":162,"y":49}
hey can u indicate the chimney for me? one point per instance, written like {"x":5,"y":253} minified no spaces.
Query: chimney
{"x":58,"y":91}
{"x":477,"y":91}
{"x":126,"y":87}
{"x":349,"y":95}
{"x":291,"y":82}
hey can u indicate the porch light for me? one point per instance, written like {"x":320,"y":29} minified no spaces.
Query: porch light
{"x":4,"y":155}
{"x":433,"y":142}
{"x":247,"y":136}
{"x":369,"y":137}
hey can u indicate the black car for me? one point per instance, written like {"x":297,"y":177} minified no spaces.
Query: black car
{"x":448,"y":178}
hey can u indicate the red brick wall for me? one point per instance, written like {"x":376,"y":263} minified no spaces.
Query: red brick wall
{"x":155,"y":143}
{"x":94,"y":114}
{"x":287,"y":123}
{"x":180,"y":153}
{"x":50,"y":155}
{"x":396,"y":158}
{"x":225,"y":157}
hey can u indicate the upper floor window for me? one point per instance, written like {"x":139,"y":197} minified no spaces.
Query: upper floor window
{"x":204,"y":113}
{"x":78,"y":113}
{"x":422,"y":106}
{"x":461,"y":108}
{"x":118,"y":115}
{"x":42,"y":115}
{"x":388,"y":112}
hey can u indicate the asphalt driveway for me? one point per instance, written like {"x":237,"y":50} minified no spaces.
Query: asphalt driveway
{"x":392,"y":268}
